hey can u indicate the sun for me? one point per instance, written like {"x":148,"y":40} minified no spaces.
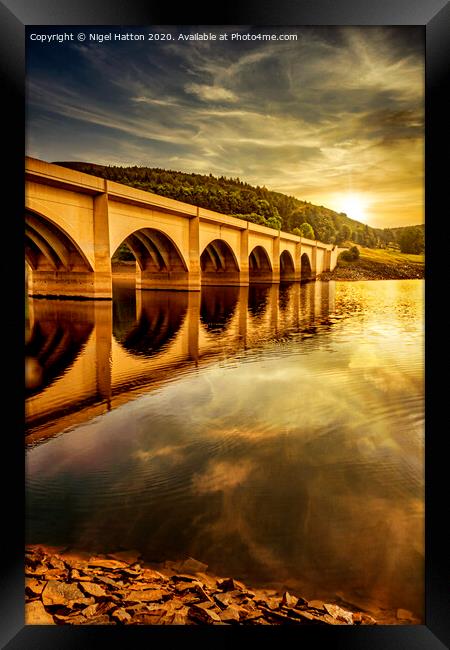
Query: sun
{"x":354,"y":206}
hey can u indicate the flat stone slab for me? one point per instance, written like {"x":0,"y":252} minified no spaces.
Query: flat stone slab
{"x":35,"y":614}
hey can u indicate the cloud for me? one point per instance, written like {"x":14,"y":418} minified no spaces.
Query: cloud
{"x":339,"y":110}
{"x":211,"y":93}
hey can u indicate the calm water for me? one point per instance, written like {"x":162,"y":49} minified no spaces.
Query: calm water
{"x":275,"y":433}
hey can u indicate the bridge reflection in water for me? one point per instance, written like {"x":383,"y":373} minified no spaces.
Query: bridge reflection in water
{"x":87,"y":357}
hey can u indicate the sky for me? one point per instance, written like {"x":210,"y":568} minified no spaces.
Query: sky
{"x":335,"y":117}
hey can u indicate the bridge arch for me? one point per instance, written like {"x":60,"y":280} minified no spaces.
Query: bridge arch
{"x":49,"y":247}
{"x":218,"y":264}
{"x":259,"y":265}
{"x":160,"y":263}
{"x":287,"y":268}
{"x":306,"y":269}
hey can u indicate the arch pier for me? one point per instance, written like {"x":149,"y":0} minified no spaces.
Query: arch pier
{"x":74,"y":222}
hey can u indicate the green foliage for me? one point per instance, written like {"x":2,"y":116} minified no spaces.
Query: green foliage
{"x":239,"y":199}
{"x":350,"y":255}
{"x":123,"y":253}
{"x":305,"y":230}
{"x":412,"y":240}
{"x":345,"y":234}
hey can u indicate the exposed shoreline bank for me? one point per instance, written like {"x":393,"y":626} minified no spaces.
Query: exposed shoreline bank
{"x":75,"y":588}
{"x":374,"y":265}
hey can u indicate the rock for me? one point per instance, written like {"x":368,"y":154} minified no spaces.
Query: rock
{"x":279,"y":616}
{"x":307,"y":617}
{"x":38,"y":571}
{"x":121,"y":615}
{"x":144,"y":595}
{"x":35,"y":614}
{"x":357,"y":618}
{"x":223,"y":600}
{"x":202,"y":593}
{"x":116,"y":584}
{"x":180,"y":617}
{"x":56,"y":563}
{"x":230,"y":614}
{"x":131,"y":573}
{"x":203,"y":615}
{"x":367,"y":620}
{"x":183,"y":577}
{"x":229,"y":584}
{"x":404,"y":614}
{"x":248,"y":616}
{"x":288,"y":600}
{"x":182,"y":587}
{"x":93,"y":589}
{"x":91,"y":610}
{"x":76,"y":576}
{"x":61,"y":593}
{"x":57,"y":574}
{"x":99,"y":620}
{"x":316,"y":604}
{"x":269,"y":602}
{"x":74,"y":619}
{"x":104,"y":563}
{"x":330,"y":620}
{"x":337,"y":612}
{"x":208,"y":581}
{"x":150,"y":616}
{"x":190,"y":566}
{"x":34,"y":587}
{"x":151,"y":574}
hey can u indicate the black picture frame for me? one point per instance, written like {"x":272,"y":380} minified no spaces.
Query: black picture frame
{"x":434,"y":16}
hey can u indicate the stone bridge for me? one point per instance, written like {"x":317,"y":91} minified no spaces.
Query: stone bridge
{"x":75,"y":222}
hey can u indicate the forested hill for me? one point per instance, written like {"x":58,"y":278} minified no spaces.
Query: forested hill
{"x":234,"y":197}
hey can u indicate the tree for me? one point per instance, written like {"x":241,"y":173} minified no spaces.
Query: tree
{"x":350,"y":255}
{"x":305,"y":230}
{"x":345,"y":233}
{"x":411,"y":240}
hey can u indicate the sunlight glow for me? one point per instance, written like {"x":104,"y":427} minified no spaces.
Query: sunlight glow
{"x":354,"y":205}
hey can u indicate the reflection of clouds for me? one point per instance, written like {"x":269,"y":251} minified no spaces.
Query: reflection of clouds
{"x":221,"y":476}
{"x":171,"y":453}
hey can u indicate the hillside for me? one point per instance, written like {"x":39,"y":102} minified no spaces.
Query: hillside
{"x":234,"y":197}
{"x":378,"y":264}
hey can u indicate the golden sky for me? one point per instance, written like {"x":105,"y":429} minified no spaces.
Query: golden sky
{"x":335,"y":117}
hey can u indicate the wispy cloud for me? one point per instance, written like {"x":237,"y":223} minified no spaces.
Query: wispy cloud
{"x":337,"y":110}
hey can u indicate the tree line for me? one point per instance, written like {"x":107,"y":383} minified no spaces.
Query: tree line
{"x":237,"y":198}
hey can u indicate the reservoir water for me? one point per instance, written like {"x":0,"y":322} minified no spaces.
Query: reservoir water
{"x":275,"y":433}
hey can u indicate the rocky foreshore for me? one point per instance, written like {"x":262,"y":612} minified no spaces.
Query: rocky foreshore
{"x":364,"y":269}
{"x":75,"y":588}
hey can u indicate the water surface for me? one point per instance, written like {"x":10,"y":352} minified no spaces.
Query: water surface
{"x":275,"y":433}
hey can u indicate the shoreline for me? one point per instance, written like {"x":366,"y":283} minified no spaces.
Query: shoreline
{"x":377,"y":264}
{"x":68,"y":587}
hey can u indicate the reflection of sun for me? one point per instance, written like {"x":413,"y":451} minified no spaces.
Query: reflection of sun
{"x":354,"y":206}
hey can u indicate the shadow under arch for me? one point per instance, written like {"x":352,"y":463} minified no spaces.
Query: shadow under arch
{"x":160,"y":264}
{"x":259,"y":266}
{"x":48,"y":247}
{"x":58,"y":333}
{"x":217,"y":307}
{"x":306,"y":271}
{"x":287,"y":269}
{"x":145,"y":322}
{"x":218,"y":264}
